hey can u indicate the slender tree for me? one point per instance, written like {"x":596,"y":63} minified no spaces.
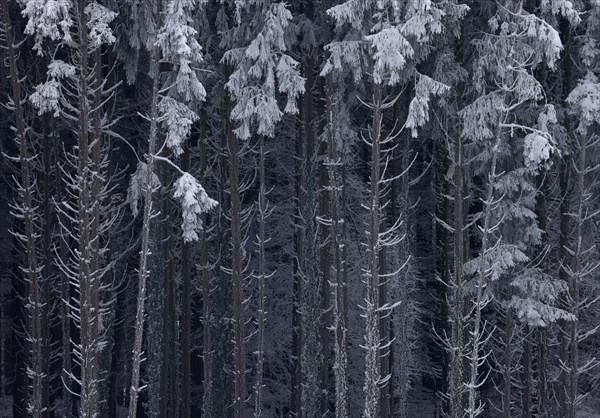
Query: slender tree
{"x":27,"y":212}
{"x":174,"y":43}
{"x":261,"y":68}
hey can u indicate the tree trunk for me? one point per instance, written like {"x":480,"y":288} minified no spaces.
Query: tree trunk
{"x":527,"y":375}
{"x":325,"y":272}
{"x":170,"y":354}
{"x":296,"y":389}
{"x":65,"y":295}
{"x":311,"y":294}
{"x":337,"y":246}
{"x":576,"y":278}
{"x":404,"y":324}
{"x":542,"y":332}
{"x":237,"y":275}
{"x":207,"y":401}
{"x":372,"y":335}
{"x":262,"y":217}
{"x":478,"y":324}
{"x":455,"y":372}
{"x":37,"y":366}
{"x":508,"y":347}
{"x":563,"y":391}
{"x":186,"y":316}
{"x":154,"y":364}
{"x":145,"y":250}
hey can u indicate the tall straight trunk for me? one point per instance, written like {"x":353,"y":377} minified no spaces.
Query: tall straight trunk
{"x":261,"y":314}
{"x":324,"y":229}
{"x":575,"y":281}
{"x":445,"y":271}
{"x":20,"y":385}
{"x":207,"y":401}
{"x":340,"y":301}
{"x":508,"y":359}
{"x":36,"y":364}
{"x":542,"y":332}
{"x":564,"y":325}
{"x":325,"y":266}
{"x":455,"y":368}
{"x":542,"y":370}
{"x":237,"y":274}
{"x":384,"y":332}
{"x":155,"y":304}
{"x":222,"y":337}
{"x":508,"y":339}
{"x":335,"y":186}
{"x":563,"y":253}
{"x":372,"y":334}
{"x":404,"y":324}
{"x":478,"y":324}
{"x":528,"y":374}
{"x":296,"y":389}
{"x":95,"y":239}
{"x":88,"y":268}
{"x":186,"y":316}
{"x":311,"y":352}
{"x":145,"y":250}
{"x":108,"y":294}
{"x":65,"y":295}
{"x":324,"y":251}
{"x":47,"y":260}
{"x":170,"y":354}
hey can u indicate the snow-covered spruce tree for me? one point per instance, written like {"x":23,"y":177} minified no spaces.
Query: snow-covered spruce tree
{"x":138,"y":37}
{"x":26,"y":211}
{"x":517,"y":43}
{"x":260,"y":69}
{"x":452,"y":222}
{"x":579,"y":213}
{"x":175,"y":44}
{"x":584,"y":102}
{"x":390,"y":45}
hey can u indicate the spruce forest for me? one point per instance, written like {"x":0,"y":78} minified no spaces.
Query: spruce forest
{"x":315,"y":209}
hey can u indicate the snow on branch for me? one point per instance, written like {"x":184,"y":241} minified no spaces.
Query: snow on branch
{"x":99,"y":17}
{"x":137,"y":186}
{"x":426,"y":20}
{"x":537,"y":145}
{"x":177,"y":41}
{"x":58,"y":69}
{"x":563,"y":8}
{"x":194,"y":202}
{"x":178,"y":119}
{"x":391,"y":53}
{"x":46,"y":97}
{"x":261,"y":70}
{"x":418,"y":111}
{"x":584,"y":101}
{"x":47,"y":19}
{"x":351,"y":12}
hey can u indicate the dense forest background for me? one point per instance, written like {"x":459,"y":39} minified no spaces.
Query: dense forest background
{"x":361,"y":208}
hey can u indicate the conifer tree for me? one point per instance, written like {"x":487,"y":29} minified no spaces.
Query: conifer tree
{"x":26,"y":211}
{"x":261,"y":68}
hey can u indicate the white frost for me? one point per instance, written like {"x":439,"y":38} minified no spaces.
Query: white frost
{"x":194,"y":202}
